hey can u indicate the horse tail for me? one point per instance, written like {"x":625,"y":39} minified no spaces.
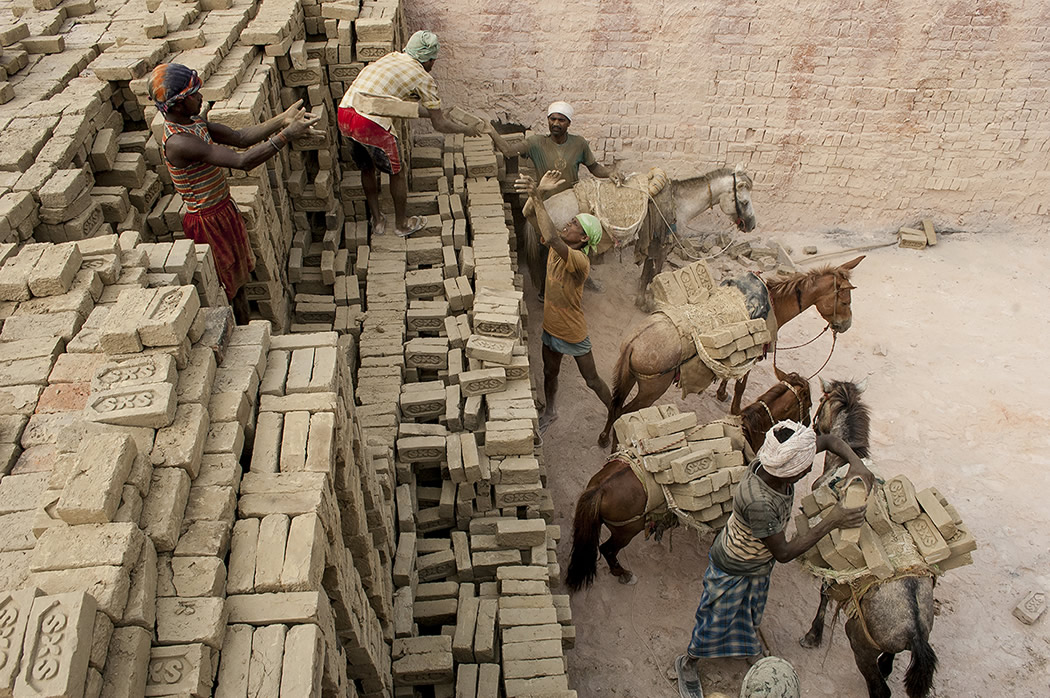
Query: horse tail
{"x":623,"y":382}
{"x":919,"y":679}
{"x":586,"y":531}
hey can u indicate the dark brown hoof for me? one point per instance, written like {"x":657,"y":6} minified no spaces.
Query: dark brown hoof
{"x":810,"y":641}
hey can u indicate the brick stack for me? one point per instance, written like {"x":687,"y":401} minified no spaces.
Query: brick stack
{"x":698,"y":465}
{"x":120,"y":467}
{"x":299,"y":505}
{"x":473,"y":611}
{"x":902,"y":528}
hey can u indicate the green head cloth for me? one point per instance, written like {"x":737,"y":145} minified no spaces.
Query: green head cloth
{"x":593,"y":227}
{"x":423,"y":46}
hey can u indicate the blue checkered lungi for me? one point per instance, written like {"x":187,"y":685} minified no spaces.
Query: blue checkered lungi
{"x":729,"y":614}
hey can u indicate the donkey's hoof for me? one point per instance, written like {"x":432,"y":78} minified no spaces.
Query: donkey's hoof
{"x":603,"y":439}
{"x":810,"y":641}
{"x":628,"y":578}
{"x":722,"y":395}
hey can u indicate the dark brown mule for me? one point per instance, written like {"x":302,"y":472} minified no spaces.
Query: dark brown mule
{"x":651,"y":353}
{"x":788,"y":399}
{"x":617,"y":498}
{"x":897,"y":614}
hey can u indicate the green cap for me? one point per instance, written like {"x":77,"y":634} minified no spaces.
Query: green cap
{"x":593,"y":227}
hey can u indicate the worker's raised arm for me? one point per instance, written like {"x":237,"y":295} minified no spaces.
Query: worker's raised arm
{"x":834,"y":444}
{"x":443,"y":124}
{"x":183,"y":150}
{"x":503,"y":146}
{"x":785,"y":550}
{"x":537,"y":212}
{"x":247,"y":137}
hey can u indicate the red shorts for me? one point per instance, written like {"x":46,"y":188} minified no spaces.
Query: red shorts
{"x":376,"y":143}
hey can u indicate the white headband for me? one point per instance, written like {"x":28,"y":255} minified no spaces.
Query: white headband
{"x":561,"y":108}
{"x":792,"y":457}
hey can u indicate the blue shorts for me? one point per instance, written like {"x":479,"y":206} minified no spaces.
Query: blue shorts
{"x":563,"y":347}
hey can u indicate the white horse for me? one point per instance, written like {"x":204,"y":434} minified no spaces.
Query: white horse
{"x":677,"y":203}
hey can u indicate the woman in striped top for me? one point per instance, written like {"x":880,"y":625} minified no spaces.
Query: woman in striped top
{"x":195,"y":153}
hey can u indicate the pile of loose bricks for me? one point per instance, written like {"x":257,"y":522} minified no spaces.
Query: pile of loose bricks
{"x":194,"y":508}
{"x":697,"y":465}
{"x":896,"y":514}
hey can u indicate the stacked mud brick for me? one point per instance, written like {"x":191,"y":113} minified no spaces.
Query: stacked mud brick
{"x":444,"y":376}
{"x":692,"y":284}
{"x":895,"y":513}
{"x":122,"y":429}
{"x":738,"y":342}
{"x":307,"y":591}
{"x":698,"y":465}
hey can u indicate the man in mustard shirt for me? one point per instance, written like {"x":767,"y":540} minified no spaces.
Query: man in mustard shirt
{"x":564,"y":327}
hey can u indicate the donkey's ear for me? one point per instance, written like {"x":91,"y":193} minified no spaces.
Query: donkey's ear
{"x":862,"y":386}
{"x":851,"y":264}
{"x":825,"y":385}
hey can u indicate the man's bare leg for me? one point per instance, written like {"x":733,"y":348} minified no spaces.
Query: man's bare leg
{"x":399,"y":192}
{"x":241,"y":312}
{"x":590,"y":374}
{"x":370,"y":183}
{"x":551,"y":369}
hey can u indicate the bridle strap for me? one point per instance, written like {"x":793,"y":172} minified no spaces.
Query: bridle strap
{"x":834,"y":334}
{"x":769,"y":413}
{"x":736,"y":199}
{"x":798,"y":398}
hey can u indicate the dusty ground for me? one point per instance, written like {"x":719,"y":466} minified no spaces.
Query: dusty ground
{"x":952,"y":339}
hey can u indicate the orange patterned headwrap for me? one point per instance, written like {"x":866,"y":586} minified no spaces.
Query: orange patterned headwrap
{"x":171,"y":82}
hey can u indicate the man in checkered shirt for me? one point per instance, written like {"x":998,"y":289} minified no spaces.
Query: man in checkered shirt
{"x":403,"y":75}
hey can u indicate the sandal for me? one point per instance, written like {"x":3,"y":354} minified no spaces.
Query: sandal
{"x":686,"y":689}
{"x":415,"y":224}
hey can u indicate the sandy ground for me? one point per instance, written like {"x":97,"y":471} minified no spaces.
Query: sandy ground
{"x":952,"y":341}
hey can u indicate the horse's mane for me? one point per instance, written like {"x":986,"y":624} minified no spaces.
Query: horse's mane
{"x":845,"y":396}
{"x":715,"y":174}
{"x":794,"y":283}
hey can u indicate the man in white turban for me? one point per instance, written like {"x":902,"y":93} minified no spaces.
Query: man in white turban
{"x":374,"y":147}
{"x":736,"y":582}
{"x":558,"y":150}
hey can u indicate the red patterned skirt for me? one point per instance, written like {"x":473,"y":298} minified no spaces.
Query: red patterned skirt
{"x":374,"y":141}
{"x":222,"y":227}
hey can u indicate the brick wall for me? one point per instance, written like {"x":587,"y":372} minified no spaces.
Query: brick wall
{"x":859,"y":115}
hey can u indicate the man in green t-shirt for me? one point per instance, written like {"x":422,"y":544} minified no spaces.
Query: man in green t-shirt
{"x":558,"y":150}
{"x":736,"y":582}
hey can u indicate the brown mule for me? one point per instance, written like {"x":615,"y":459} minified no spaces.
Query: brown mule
{"x":790,"y":398}
{"x":617,"y":498}
{"x":651,"y":354}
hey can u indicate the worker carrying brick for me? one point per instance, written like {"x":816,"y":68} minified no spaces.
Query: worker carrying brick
{"x":195,"y":152}
{"x":558,"y":150}
{"x":736,"y":582}
{"x":564,"y":327}
{"x":402,"y":75}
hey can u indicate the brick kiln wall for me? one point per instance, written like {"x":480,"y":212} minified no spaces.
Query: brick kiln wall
{"x":852,"y":114}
